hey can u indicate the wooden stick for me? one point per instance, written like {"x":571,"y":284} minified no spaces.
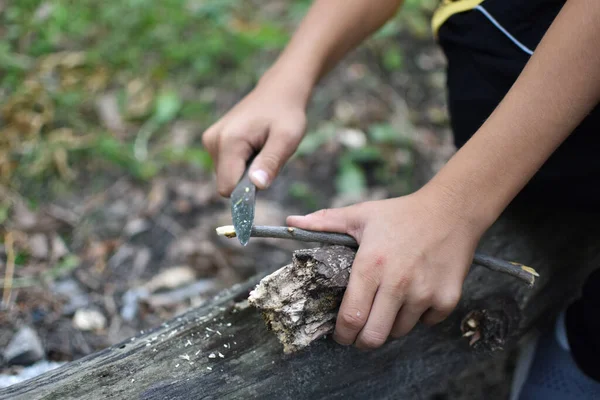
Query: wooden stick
{"x":10,"y":268}
{"x":517,"y":270}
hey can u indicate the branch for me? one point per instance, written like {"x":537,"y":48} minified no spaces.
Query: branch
{"x":517,"y":270}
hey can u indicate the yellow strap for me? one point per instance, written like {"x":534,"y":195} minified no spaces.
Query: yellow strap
{"x":448,"y":9}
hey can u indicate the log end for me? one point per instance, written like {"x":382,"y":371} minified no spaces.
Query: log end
{"x":299,"y":302}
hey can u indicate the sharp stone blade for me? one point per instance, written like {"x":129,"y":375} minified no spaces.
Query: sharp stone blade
{"x":243,"y":200}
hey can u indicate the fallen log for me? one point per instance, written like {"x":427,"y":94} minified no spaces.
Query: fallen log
{"x":224,"y":349}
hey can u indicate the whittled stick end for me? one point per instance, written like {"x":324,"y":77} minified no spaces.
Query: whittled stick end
{"x":228,"y":231}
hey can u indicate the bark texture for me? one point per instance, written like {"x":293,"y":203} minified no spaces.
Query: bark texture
{"x":299,"y":302}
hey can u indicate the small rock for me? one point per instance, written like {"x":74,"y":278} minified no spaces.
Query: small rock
{"x":89,"y":320}
{"x":136,"y":226}
{"x":141,"y":261}
{"x":171,"y":278}
{"x":23,"y":218}
{"x":25,"y":348}
{"x":352,"y":138}
{"x":77,"y":298}
{"x":59,"y":249}
{"x":345,"y":111}
{"x":28,"y":373}
{"x":38,"y":246}
{"x":131,"y":300}
{"x":123,"y":254}
{"x":107,"y":108}
{"x":404,"y":157}
{"x":43,"y":12}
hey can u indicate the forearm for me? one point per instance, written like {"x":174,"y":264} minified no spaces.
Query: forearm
{"x":329,"y":31}
{"x":559,"y":86}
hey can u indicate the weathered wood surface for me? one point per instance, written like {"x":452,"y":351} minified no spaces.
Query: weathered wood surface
{"x":218,"y":351}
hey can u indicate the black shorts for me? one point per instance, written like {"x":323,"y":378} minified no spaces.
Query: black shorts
{"x":486,"y":48}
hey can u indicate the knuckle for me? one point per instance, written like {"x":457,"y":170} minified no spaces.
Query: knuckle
{"x":271,"y":161}
{"x":371,"y":339}
{"x":423,"y":297}
{"x":230,"y":136}
{"x":401,"y":283}
{"x":447,"y":300}
{"x":287,"y":134}
{"x":379,"y":260}
{"x":353,"y":319}
{"x":368,"y":277}
{"x":209,"y":137}
{"x":323,"y":213}
{"x":376,"y":264}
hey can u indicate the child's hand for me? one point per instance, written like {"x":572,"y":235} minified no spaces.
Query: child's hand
{"x":413,"y":257}
{"x":271,"y":119}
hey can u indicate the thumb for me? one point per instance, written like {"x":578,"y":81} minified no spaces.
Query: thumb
{"x":341,"y":220}
{"x":279,"y":147}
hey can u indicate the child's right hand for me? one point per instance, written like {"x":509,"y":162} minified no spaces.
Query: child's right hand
{"x":270,"y":120}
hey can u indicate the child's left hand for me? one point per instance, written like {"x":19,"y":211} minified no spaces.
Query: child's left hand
{"x":414,"y":255}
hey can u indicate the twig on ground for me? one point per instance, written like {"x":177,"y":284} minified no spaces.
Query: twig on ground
{"x":517,"y":270}
{"x":10,"y":269}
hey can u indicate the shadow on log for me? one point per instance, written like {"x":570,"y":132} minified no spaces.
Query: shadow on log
{"x":224,"y":349}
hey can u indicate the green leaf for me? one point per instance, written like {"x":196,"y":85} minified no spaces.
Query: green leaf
{"x":21,"y":258}
{"x":393,"y":59}
{"x":166,"y":107}
{"x":391,"y":28}
{"x":193,"y":155}
{"x":365,"y":154}
{"x":383,"y":133}
{"x":301,"y":191}
{"x":350,"y":179}
{"x":69,"y":262}
{"x":313,"y":140}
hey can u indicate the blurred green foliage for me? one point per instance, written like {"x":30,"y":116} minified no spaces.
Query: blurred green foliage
{"x":155,"y":55}
{"x":201,"y":38}
{"x":162,"y":60}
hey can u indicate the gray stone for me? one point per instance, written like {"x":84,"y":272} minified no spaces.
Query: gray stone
{"x":77,"y":298}
{"x":29,"y":373}
{"x":25,"y":348}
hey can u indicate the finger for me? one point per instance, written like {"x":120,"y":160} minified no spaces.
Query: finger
{"x":432,"y":317}
{"x":342,"y":220}
{"x":358,"y":299}
{"x":381,"y":319}
{"x":407,"y":318}
{"x":279,"y":147}
{"x":210,"y":140}
{"x":233,"y":155}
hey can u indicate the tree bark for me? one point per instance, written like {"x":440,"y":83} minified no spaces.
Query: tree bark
{"x":225,"y":350}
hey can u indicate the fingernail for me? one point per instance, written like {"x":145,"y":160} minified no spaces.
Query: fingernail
{"x":262,"y":177}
